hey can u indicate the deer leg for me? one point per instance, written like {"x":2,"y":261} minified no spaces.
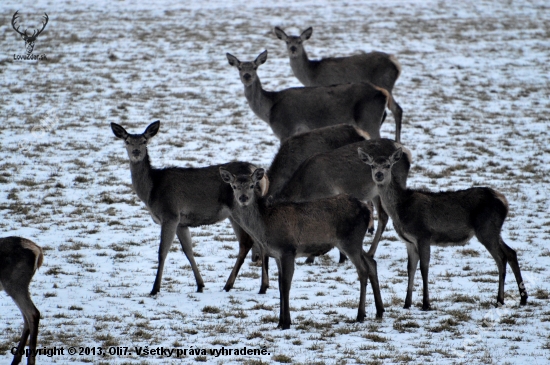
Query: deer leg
{"x":281,"y":305}
{"x":354,"y":251}
{"x":310,"y":259}
{"x":245,"y":244}
{"x":375,"y":284}
{"x":187,"y":246}
{"x":488,"y":238}
{"x":397,"y":112}
{"x":31,"y":318}
{"x":424,"y":253}
{"x":382,"y":222}
{"x":412,"y":264}
{"x":514,"y":264}
{"x":265,"y":273}
{"x":286,"y":274}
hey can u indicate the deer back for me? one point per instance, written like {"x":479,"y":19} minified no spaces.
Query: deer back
{"x":340,"y":171}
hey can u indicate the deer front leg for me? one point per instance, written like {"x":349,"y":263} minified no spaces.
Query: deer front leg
{"x":167,"y":234}
{"x":187,"y":246}
{"x":245,"y":244}
{"x":424,"y":253}
{"x":382,"y":222}
{"x":286,"y":274}
{"x":412,"y":264}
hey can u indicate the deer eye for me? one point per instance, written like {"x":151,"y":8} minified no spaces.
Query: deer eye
{"x":251,"y":186}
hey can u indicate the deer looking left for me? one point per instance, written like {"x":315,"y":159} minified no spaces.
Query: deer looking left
{"x":179,"y":198}
{"x":19,"y":260}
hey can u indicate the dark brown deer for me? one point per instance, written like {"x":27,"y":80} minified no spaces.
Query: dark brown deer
{"x":29,"y":40}
{"x":449,"y":218}
{"x":296,"y":110}
{"x":19,"y":260}
{"x":179,"y":198}
{"x":297,"y":149}
{"x":289,"y":230}
{"x":339,"y":171}
{"x":378,"y":68}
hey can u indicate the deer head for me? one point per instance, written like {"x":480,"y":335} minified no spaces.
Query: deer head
{"x":29,"y":40}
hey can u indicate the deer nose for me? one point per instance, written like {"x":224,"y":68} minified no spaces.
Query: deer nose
{"x":247,"y":77}
{"x":243,"y":198}
{"x":293,"y":49}
{"x":379,"y":176}
{"x":136,"y":153}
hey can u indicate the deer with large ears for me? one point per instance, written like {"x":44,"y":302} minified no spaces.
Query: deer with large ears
{"x":285,"y":231}
{"x":449,"y":218}
{"x":378,"y":68}
{"x":19,"y":260}
{"x":296,"y":110}
{"x":179,"y":198}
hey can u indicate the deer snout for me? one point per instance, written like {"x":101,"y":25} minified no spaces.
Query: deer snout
{"x":243,"y":199}
{"x":293,"y":49}
{"x":379,"y":176}
{"x":136,"y":153}
{"x":247,"y":77}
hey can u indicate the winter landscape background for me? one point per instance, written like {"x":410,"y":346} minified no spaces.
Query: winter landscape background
{"x":475,"y":94}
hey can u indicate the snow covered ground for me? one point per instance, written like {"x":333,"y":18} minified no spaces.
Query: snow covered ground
{"x":475,"y":94}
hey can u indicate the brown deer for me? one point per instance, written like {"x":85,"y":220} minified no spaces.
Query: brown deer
{"x":19,"y":260}
{"x":339,"y":171}
{"x":289,"y":230}
{"x":296,"y":110}
{"x":449,"y":218}
{"x":179,"y":198}
{"x":378,"y":68}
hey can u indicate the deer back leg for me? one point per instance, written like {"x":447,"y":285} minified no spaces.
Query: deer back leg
{"x":184,"y":237}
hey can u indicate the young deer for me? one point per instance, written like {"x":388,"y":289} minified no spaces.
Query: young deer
{"x":179,"y":198}
{"x":378,"y":68}
{"x":19,"y":259}
{"x":446,"y":218}
{"x":330,"y":173}
{"x":296,"y":110}
{"x":285,"y":231}
{"x":296,"y":149}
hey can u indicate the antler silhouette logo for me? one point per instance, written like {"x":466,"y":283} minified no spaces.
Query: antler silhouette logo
{"x":29,"y":40}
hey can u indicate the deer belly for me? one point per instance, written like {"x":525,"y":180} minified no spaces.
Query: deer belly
{"x":316,"y":249}
{"x":450,"y":239}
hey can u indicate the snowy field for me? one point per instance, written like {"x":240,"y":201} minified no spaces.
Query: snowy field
{"x":475,"y":92}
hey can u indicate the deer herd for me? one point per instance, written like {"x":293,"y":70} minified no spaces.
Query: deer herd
{"x":332,"y":167}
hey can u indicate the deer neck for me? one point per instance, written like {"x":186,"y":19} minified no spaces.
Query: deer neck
{"x":392,"y":197}
{"x":250,"y":218}
{"x":260,"y":101}
{"x":142,"y":180}
{"x":302,"y":67}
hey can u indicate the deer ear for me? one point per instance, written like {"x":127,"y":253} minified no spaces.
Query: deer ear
{"x":280,"y":33}
{"x":365,"y":157}
{"x":258,"y":174}
{"x":152,"y":130}
{"x":306,"y":34}
{"x":396,"y":156}
{"x":119,"y":131}
{"x":227,"y":177}
{"x":233,"y":61}
{"x":260,"y":60}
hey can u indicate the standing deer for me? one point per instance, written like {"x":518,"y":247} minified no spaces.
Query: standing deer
{"x":296,"y":149}
{"x":179,"y":198}
{"x":289,"y":230}
{"x":449,"y":218}
{"x":378,"y":68}
{"x":19,"y":260}
{"x":338,"y":172}
{"x":296,"y":110}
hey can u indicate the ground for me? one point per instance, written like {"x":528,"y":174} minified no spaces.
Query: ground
{"x":475,"y":95}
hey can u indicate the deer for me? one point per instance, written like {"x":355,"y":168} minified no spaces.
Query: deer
{"x":339,"y":171}
{"x":19,"y":260}
{"x":29,"y":40}
{"x":288,"y":230}
{"x":446,"y":218}
{"x":296,"y":110}
{"x":380,"y":69}
{"x":178,"y":198}
{"x":298,"y":148}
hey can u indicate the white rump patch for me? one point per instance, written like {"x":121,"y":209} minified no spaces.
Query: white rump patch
{"x":36,"y":250}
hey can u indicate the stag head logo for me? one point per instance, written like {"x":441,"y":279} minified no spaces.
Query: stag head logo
{"x":29,"y":39}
